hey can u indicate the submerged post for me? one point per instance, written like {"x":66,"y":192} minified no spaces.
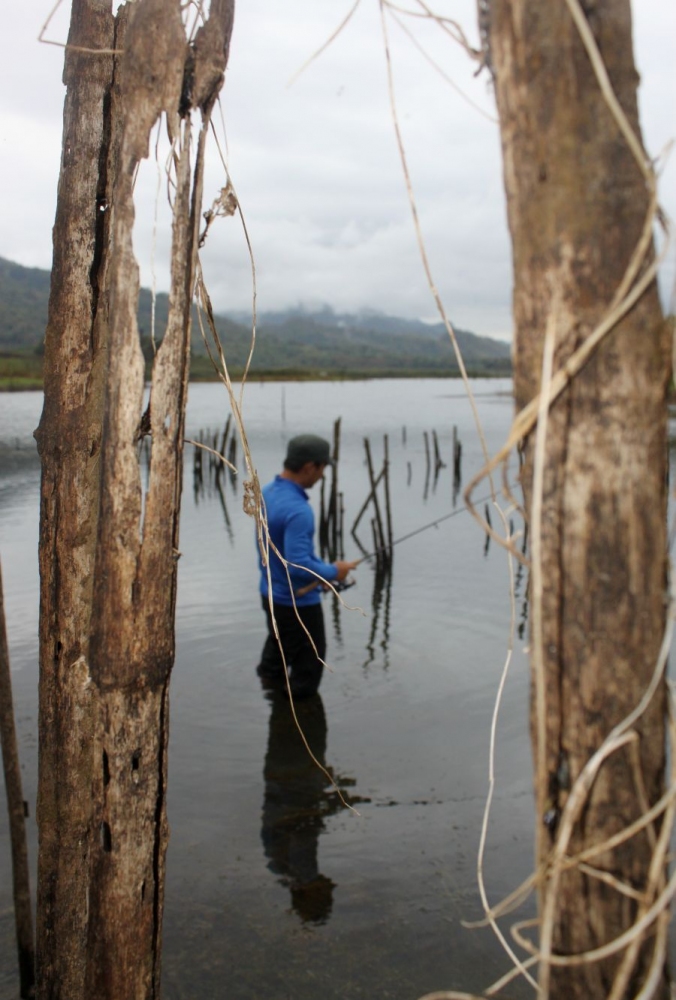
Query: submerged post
{"x":388,"y":507}
{"x":334,"y":517}
{"x":17,"y":827}
{"x":376,"y":505}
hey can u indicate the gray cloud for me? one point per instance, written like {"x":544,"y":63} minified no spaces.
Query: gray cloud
{"x":316,"y":165}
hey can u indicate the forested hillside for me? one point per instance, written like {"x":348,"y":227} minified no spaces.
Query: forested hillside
{"x":298,"y":341}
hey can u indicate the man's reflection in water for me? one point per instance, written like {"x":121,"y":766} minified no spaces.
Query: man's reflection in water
{"x":297,"y":798}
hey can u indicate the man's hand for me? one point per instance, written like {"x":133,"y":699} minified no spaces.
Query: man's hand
{"x":345,"y":567}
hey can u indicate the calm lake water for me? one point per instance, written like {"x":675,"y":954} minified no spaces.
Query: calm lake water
{"x":274,"y":889}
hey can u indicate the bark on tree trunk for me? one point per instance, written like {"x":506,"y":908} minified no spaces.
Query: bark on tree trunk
{"x":109,"y":549}
{"x":69,"y":441}
{"x":577,"y":203}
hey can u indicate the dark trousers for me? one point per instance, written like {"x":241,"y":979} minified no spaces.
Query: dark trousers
{"x":305,"y":669}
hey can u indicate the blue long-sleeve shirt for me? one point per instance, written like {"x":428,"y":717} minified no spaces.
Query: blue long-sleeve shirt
{"x":292,"y":526}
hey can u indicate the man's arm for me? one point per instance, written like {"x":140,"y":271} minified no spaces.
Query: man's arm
{"x":344,"y":566}
{"x":299,"y":549}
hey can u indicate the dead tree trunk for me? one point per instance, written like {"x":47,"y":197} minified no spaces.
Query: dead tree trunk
{"x":23,"y":918}
{"x":577,"y":205}
{"x":108,"y":555}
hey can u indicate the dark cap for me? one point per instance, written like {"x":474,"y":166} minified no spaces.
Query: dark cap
{"x":308,"y":448}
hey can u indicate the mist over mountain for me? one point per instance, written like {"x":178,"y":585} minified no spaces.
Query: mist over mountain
{"x":301,"y":340}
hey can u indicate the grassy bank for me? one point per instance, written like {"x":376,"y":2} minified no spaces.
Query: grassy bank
{"x":20,"y":370}
{"x":23,"y":370}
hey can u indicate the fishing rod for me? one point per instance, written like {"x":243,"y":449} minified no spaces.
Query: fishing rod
{"x":418,"y":531}
{"x":342,"y":585}
{"x":348,"y":582}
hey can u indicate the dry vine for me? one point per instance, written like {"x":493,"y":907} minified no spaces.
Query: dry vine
{"x":652,"y":913}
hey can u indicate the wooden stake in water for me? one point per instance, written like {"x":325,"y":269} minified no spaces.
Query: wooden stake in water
{"x":197,"y":463}
{"x":330,"y":540}
{"x":388,"y":509}
{"x":376,"y":505}
{"x":457,"y":456}
{"x":341,"y":535}
{"x":333,"y":503}
{"x":368,"y":500}
{"x":323,"y":521}
{"x":378,"y":548}
{"x":427,"y":465}
{"x":224,"y":440}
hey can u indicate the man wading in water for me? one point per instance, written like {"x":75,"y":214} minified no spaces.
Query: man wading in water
{"x":291,"y":525}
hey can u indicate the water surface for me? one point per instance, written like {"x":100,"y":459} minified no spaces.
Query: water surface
{"x":273,"y":887}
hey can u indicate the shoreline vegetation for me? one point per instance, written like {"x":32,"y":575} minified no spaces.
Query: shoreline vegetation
{"x":21,"y":371}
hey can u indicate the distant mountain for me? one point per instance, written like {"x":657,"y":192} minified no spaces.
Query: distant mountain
{"x":370,"y":321}
{"x":24,"y":294}
{"x":299,"y":340}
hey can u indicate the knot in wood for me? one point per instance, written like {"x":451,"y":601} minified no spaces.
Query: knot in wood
{"x":252,"y":493}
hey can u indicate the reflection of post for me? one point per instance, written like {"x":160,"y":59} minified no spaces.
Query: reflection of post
{"x":438,"y":463}
{"x":381,"y":601}
{"x":385,"y":641}
{"x":436,"y":478}
{"x":488,"y":522}
{"x":295,"y":804}
{"x":337,"y":619}
{"x":221,"y":496}
{"x":456,"y":490}
{"x":376,"y":601}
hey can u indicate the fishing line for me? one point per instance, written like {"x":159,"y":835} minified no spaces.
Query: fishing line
{"x":418,"y":531}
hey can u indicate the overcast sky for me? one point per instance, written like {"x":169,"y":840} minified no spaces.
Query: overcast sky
{"x":315,"y":164}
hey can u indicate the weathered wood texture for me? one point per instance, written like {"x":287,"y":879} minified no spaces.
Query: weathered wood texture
{"x":23,"y":917}
{"x":109,"y":542}
{"x":69,"y":441}
{"x":577,"y":203}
